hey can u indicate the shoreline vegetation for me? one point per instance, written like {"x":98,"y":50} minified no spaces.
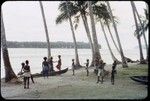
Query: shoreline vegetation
{"x":80,"y":86}
{"x":58,"y":44}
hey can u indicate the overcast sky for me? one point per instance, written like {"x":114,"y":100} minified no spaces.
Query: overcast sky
{"x":23,"y":22}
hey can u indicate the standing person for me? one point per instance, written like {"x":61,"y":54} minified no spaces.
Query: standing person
{"x":21,"y":72}
{"x":26,"y":74}
{"x":87,"y":67}
{"x":113,"y":72}
{"x":99,"y":67}
{"x":45,"y":67}
{"x":73,"y":67}
{"x":51,"y":64}
{"x":114,"y":66}
{"x":102,"y":71}
{"x":96,"y":64}
{"x":59,"y":63}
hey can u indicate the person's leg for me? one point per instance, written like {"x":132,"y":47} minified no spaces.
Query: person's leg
{"x":52,"y":68}
{"x":87,"y":72}
{"x":28,"y":82}
{"x":44,"y":75}
{"x":32,"y":79}
{"x":98,"y":79}
{"x":112,"y":80}
{"x":73,"y":72}
{"x":24,"y":79}
{"x":102,"y":79}
{"x":47,"y":73}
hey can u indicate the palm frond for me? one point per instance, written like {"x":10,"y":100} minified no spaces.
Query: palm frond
{"x":62,"y":17}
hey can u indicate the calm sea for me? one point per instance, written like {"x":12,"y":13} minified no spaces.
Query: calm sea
{"x":35,"y":57}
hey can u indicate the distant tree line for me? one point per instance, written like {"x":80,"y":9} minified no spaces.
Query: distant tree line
{"x":59,"y":44}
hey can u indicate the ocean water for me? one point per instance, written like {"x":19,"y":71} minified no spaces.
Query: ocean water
{"x":35,"y":57}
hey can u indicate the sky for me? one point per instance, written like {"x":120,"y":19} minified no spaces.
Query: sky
{"x":23,"y":22}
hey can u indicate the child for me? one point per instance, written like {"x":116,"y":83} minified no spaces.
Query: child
{"x":113,"y":72}
{"x":45,"y":67}
{"x":73,"y":66}
{"x":59,"y":63}
{"x":87,"y":67}
{"x":26,"y":74}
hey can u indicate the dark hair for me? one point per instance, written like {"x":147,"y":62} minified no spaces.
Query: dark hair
{"x":72,"y":59}
{"x":27,"y":62}
{"x":22,"y":63}
{"x":59,"y":56}
{"x":45,"y":58}
{"x":87,"y":60}
{"x":51,"y":58}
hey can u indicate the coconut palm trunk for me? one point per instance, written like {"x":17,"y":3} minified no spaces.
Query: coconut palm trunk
{"x":138,"y":36}
{"x":88,"y":36}
{"x":124,"y":63}
{"x":112,"y":37}
{"x":74,"y":38}
{"x":112,"y":55}
{"x":142,"y":25}
{"x":95,"y":42}
{"x":46,"y":30}
{"x":115,"y":43}
{"x":9,"y":73}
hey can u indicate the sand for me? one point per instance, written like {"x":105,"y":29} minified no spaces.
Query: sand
{"x":80,"y":86}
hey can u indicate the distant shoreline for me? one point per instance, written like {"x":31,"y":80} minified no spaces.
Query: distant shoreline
{"x":58,"y":44}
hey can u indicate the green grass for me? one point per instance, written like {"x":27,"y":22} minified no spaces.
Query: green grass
{"x":133,"y":70}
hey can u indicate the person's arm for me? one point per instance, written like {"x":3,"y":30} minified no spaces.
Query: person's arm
{"x":29,"y":68}
{"x":21,"y":69}
{"x":42,"y":64}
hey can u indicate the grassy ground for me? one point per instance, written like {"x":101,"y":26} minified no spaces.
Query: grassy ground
{"x":80,"y":86}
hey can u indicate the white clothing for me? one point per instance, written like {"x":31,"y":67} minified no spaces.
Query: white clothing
{"x":27,"y":74}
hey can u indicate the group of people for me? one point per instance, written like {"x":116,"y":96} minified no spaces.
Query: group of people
{"x":47,"y":65}
{"x":99,"y":69}
{"x":87,"y":66}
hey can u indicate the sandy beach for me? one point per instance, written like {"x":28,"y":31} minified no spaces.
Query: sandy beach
{"x":80,"y":86}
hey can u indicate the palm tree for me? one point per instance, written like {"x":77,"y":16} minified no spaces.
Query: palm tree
{"x":124,"y":63}
{"x":108,"y":27}
{"x":9,"y":73}
{"x":66,"y":8}
{"x":46,"y":30}
{"x":141,"y":27}
{"x":82,"y":10}
{"x":138,"y":37}
{"x":110,"y":50}
{"x":95,"y":42}
{"x":101,"y":12}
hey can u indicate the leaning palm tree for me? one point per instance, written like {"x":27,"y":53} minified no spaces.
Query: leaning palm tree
{"x":65,"y":8}
{"x":82,"y":11}
{"x":9,"y":73}
{"x":95,"y":42}
{"x":102,"y":14}
{"x":110,"y":50}
{"x":141,"y":28}
{"x":74,"y":38}
{"x":138,"y":37}
{"x":124,"y":63}
{"x":46,"y":30}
